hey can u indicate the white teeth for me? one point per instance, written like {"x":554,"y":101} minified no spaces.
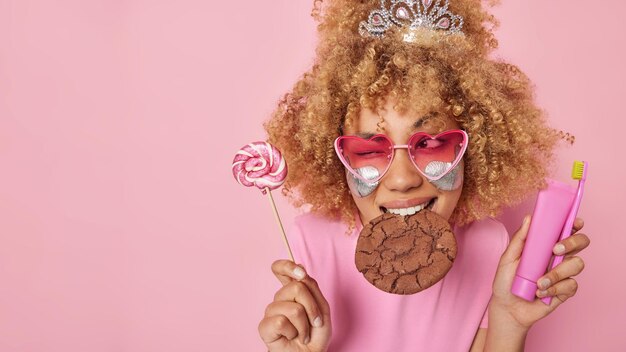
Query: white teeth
{"x":408,"y":211}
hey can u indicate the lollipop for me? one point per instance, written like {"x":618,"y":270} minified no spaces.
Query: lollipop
{"x":260,"y":164}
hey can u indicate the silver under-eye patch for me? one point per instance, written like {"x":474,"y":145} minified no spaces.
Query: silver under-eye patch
{"x":359,"y":187}
{"x":449,"y":181}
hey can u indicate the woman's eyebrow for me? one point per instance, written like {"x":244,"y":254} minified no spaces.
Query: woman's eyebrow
{"x":422,"y":120}
{"x":365,"y":135}
{"x":416,"y":125}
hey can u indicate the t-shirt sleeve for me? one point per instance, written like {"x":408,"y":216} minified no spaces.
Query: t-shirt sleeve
{"x":504,"y":236}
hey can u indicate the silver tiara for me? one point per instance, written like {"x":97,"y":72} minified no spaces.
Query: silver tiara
{"x":414,"y":14}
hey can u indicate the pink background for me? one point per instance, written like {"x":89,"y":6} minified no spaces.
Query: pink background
{"x":121,"y":227}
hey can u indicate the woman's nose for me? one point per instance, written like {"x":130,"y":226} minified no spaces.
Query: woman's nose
{"x":402,"y":175}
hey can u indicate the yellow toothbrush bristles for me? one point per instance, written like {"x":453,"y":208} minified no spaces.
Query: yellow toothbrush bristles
{"x":577,"y":170}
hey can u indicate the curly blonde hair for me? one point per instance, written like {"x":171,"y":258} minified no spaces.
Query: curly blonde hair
{"x":511,"y":147}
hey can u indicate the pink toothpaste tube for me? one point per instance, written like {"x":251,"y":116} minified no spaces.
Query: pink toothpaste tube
{"x":552,"y":208}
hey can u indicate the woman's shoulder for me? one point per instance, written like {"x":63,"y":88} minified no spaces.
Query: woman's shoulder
{"x":481,"y":244}
{"x":488,"y":234}
{"x":315,"y":224}
{"x":489,"y":224}
{"x":313,"y":236}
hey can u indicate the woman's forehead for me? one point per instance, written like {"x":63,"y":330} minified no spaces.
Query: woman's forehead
{"x":370,"y":122}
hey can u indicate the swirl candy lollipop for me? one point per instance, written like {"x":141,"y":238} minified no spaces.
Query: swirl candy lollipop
{"x":262,"y":165}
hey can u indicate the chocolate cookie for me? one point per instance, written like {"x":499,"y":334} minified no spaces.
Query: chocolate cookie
{"x":406,"y":254}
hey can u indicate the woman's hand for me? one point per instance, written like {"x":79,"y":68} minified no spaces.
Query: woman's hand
{"x":299,"y":317}
{"x":506,"y":307}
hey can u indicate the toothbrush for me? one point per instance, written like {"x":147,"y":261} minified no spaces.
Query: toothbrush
{"x":579,"y":172}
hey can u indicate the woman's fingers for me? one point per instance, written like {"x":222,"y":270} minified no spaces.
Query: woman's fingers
{"x":273,"y":328}
{"x":562,"y":290}
{"x":578,"y":225}
{"x":299,"y":292}
{"x":296,"y":314}
{"x":299,"y":310}
{"x":569,"y":267}
{"x":287,"y":271}
{"x":321,"y":301}
{"x":572,"y":245}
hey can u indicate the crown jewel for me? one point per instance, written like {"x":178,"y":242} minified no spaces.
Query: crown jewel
{"x":414,"y":14}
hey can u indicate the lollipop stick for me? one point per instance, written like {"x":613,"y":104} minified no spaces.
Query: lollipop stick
{"x":280,"y":224}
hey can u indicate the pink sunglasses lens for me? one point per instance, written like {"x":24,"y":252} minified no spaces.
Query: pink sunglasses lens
{"x":367,"y":158}
{"x":437,"y":156}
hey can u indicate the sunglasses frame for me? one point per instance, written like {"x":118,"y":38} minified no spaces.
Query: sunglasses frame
{"x":407,"y":146}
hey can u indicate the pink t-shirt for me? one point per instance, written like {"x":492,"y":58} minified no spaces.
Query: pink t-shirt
{"x":444,"y":317}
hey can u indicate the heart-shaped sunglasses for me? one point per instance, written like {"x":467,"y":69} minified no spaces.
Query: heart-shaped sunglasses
{"x":369,"y":159}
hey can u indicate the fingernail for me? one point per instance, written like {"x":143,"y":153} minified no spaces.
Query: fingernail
{"x":299,"y":273}
{"x":559,"y":248}
{"x":544,"y":283}
{"x":543,"y":293}
{"x":317,"y":322}
{"x":526,"y":219}
{"x":307,"y":340}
